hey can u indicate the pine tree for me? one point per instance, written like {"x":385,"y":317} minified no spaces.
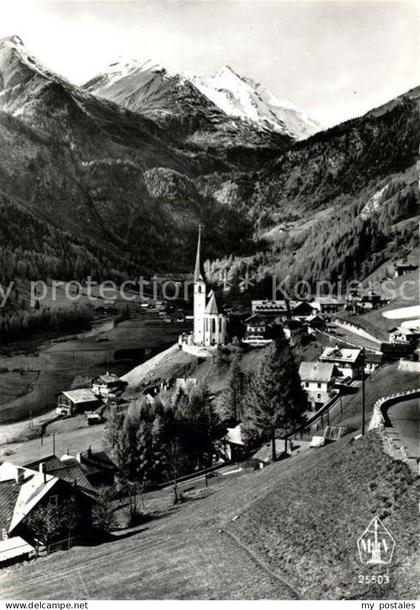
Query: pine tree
{"x":114,"y":423}
{"x":275,"y":399}
{"x":145,"y":448}
{"x":232,"y":400}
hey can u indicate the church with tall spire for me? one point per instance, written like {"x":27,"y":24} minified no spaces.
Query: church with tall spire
{"x":209,"y":323}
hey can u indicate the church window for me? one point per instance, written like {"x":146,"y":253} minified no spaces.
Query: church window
{"x":213,"y":325}
{"x":220,"y":325}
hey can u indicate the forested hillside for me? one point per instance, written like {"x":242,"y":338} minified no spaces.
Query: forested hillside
{"x":88,"y":187}
{"x":329,"y":206}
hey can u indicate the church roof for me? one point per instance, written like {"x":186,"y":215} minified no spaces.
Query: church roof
{"x":198,"y":275}
{"x":212,"y":304}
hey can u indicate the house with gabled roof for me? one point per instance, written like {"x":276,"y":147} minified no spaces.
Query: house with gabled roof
{"x":267,"y":307}
{"x":23,"y":490}
{"x":318,"y":380}
{"x":303,"y":310}
{"x":257,"y":331}
{"x":405,"y":265}
{"x":68,"y":469}
{"x":97,"y":466}
{"x":108,"y":384}
{"x":349,"y":362}
{"x":328,"y":304}
{"x":71,"y":402}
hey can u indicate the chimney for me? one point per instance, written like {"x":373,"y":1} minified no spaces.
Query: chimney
{"x":43,"y":470}
{"x":20,"y":475}
{"x":79,"y":457}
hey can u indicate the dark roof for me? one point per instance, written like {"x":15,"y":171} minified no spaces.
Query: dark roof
{"x":256,"y":319}
{"x":302,"y":306}
{"x":9,"y":491}
{"x":93,"y":462}
{"x":69,"y":470}
{"x":108,"y":378}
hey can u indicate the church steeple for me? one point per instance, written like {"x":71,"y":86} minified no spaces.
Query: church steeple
{"x":197,"y":271}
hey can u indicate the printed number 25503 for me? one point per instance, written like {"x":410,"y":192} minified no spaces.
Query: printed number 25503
{"x":374,"y":579}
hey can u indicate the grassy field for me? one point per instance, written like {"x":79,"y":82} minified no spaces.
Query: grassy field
{"x":297,"y":521}
{"x":15,"y":383}
{"x":307,"y":528}
{"x":382,"y":382}
{"x":59,"y":361}
{"x":72,"y":435}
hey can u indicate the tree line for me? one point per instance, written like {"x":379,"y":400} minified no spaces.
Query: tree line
{"x":154,"y":443}
{"x":21,"y":323}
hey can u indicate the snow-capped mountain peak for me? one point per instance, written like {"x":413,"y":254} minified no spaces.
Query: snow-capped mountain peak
{"x":123,"y":70}
{"x":14,"y":56}
{"x":138,"y":85}
{"x":241,"y":96}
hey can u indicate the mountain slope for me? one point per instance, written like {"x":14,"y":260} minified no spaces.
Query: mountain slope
{"x":64,"y":150}
{"x":130,"y":190}
{"x":243,"y":97}
{"x":181,"y":105}
{"x":300,"y":518}
{"x":310,"y":202}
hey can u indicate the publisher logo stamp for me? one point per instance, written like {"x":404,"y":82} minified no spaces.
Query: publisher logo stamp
{"x":376,"y":545}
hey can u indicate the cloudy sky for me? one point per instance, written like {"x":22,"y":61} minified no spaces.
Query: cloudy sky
{"x":335,"y":59}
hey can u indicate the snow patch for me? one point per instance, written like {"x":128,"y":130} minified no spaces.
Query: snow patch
{"x":245,"y":98}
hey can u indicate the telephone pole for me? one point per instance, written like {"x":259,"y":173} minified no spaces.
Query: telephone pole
{"x":363,"y":391}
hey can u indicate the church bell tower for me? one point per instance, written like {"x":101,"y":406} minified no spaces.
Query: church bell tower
{"x":199,"y":297}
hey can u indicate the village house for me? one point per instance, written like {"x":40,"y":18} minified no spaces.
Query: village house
{"x":72,"y":402}
{"x":269,"y":308}
{"x":314,"y":323}
{"x":349,"y":362}
{"x":404,"y":265}
{"x":87,"y":470}
{"x":264,"y":456}
{"x":257,"y":331}
{"x":234,"y":444}
{"x":372,"y":361}
{"x":397,"y":335}
{"x":23,"y":490}
{"x":328,"y":304}
{"x":185,"y":383}
{"x":292,"y":329}
{"x":108,"y":385}
{"x":97,"y":467}
{"x":68,"y":470}
{"x":303,"y":310}
{"x":360,"y":301}
{"x":407,"y":333}
{"x":15,"y":549}
{"x":318,"y":381}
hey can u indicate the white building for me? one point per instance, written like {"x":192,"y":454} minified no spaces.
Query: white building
{"x":107,"y":385}
{"x":317,"y":380}
{"x":209,"y":323}
{"x":349,"y":362}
